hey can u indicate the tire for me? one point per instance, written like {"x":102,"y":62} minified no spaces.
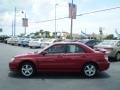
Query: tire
{"x":118,"y":56}
{"x":27,"y":69}
{"x":89,"y":70}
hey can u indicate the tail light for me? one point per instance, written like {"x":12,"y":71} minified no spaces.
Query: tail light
{"x":108,"y":50}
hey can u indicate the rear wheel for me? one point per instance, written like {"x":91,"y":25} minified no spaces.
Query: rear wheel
{"x":27,"y":69}
{"x":118,"y":56}
{"x":89,"y":70}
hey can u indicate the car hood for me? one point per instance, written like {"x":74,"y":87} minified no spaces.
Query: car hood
{"x":30,"y":54}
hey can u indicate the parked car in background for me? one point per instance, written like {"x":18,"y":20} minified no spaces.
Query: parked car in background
{"x":20,"y":39}
{"x":111,"y":48}
{"x":12,"y":40}
{"x":89,"y":42}
{"x":25,"y":41}
{"x":46,"y":42}
{"x":3,"y":38}
{"x":35,"y":43}
{"x":61,"y":57}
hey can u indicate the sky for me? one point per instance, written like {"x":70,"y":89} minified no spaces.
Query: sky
{"x":42,"y":10}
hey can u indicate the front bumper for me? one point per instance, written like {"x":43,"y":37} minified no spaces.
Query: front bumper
{"x":13,"y":66}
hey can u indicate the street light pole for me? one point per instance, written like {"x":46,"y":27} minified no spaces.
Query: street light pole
{"x":12,"y":28}
{"x":15,"y":21}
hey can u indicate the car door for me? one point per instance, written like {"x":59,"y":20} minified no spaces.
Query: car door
{"x":74,"y":58}
{"x":53,"y":60}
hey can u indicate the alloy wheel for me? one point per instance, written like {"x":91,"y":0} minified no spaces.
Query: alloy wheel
{"x":27,"y":69}
{"x":90,"y":70}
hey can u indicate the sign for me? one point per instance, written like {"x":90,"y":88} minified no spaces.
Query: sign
{"x":72,"y":11}
{"x":100,"y":30}
{"x":0,"y":29}
{"x":25,"y":22}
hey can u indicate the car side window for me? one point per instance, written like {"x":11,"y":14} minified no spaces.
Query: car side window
{"x":56,"y":49}
{"x":74,"y":49}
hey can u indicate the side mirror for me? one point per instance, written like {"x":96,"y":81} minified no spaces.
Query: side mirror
{"x":44,"y":53}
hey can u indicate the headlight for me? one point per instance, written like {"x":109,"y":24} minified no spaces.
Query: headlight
{"x":12,"y":59}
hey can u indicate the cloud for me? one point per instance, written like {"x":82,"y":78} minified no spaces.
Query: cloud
{"x":39,"y":10}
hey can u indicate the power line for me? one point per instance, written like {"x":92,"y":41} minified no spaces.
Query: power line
{"x":98,"y":11}
{"x":103,"y":10}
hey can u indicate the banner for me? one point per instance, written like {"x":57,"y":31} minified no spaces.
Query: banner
{"x":0,"y":29}
{"x":25,"y":22}
{"x":72,"y":11}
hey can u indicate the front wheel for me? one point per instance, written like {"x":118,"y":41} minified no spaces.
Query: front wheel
{"x":89,"y":70}
{"x":27,"y":69}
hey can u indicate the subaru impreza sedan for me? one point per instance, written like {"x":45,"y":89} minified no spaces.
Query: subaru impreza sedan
{"x":59,"y":57}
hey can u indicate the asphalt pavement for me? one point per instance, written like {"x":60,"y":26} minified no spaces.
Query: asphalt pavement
{"x":108,"y":80}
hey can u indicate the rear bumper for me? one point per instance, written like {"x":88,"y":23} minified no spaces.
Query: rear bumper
{"x":104,"y":66}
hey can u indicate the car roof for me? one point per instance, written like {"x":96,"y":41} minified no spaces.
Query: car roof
{"x":67,"y":43}
{"x":77,"y":43}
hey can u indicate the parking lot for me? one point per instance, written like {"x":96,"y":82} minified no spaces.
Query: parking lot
{"x":108,"y":80}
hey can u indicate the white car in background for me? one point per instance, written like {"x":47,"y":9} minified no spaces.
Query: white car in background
{"x":35,"y":43}
{"x":12,"y":40}
{"x":47,"y":42}
{"x":110,"y":48}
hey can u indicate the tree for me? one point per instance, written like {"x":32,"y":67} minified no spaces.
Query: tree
{"x":47,"y":34}
{"x":110,"y":36}
{"x":37,"y":34}
{"x":41,"y":32}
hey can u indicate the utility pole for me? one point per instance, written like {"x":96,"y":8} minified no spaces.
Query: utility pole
{"x":12,"y":27}
{"x":25,"y":26}
{"x":55,"y":21}
{"x":25,"y":21}
{"x":71,"y":27}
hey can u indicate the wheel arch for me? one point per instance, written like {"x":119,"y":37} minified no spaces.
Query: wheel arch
{"x":27,"y":61}
{"x":91,"y":62}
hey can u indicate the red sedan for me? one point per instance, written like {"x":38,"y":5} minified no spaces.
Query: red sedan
{"x":61,"y":57}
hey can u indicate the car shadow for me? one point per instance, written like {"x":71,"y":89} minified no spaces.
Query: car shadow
{"x":100,"y":75}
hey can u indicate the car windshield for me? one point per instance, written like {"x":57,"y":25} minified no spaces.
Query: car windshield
{"x":84,"y":40}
